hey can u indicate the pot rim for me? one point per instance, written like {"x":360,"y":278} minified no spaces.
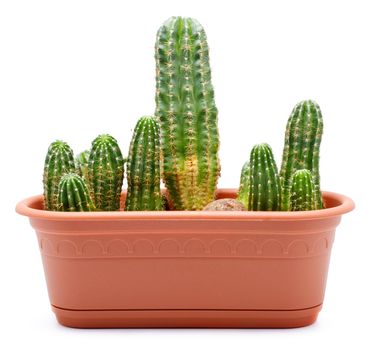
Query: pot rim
{"x":342,"y":204}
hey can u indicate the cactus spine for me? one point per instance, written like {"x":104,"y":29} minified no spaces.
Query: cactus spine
{"x":302,"y":192}
{"x":59,"y":161}
{"x":73,"y":194}
{"x":106,"y":173}
{"x":187,"y":113}
{"x":302,"y":146}
{"x":82,"y":164}
{"x":260,"y":189}
{"x":143,"y":167}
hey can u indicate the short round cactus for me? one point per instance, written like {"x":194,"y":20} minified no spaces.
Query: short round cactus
{"x":73,"y":194}
{"x":302,"y":192}
{"x":59,"y":161}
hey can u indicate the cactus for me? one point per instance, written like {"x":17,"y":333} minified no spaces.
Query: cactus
{"x":73,"y":194}
{"x":187,"y":113}
{"x":302,"y":146}
{"x":302,"y":192}
{"x":243,"y":193}
{"x":106,"y":173}
{"x":260,"y":188}
{"x":59,"y":161}
{"x":143,"y":167}
{"x":82,"y":164}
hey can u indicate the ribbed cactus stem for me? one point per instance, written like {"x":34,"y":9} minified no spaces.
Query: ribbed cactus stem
{"x":187,"y":113}
{"x":302,"y":146}
{"x":82,"y":164}
{"x":260,"y":187}
{"x":106,"y":173}
{"x":59,"y":161}
{"x":73,"y":194}
{"x":243,"y":193}
{"x":143,"y":167}
{"x":302,"y":193}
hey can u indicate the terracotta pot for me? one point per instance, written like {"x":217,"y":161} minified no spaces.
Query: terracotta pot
{"x":186,"y":269}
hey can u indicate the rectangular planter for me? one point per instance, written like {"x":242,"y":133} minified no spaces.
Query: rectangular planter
{"x":186,"y":269}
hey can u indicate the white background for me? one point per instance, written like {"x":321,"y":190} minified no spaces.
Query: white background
{"x":73,"y":69}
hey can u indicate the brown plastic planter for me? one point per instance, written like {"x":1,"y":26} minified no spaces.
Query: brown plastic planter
{"x":186,"y":269}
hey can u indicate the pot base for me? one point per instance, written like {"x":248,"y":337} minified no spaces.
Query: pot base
{"x":186,"y":318}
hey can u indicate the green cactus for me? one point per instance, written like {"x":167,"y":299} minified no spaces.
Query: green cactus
{"x":260,"y":187}
{"x":73,"y":194}
{"x":302,"y":146}
{"x":59,"y":161}
{"x":106,"y":173}
{"x":243,"y":193}
{"x":143,"y":167}
{"x":187,"y":113}
{"x":82,"y":164}
{"x":302,"y":192}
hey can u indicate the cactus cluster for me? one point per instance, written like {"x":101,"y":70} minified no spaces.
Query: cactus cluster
{"x":187,"y":113}
{"x":298,"y":186}
{"x":301,"y":149}
{"x":92,"y":181}
{"x":180,"y":146}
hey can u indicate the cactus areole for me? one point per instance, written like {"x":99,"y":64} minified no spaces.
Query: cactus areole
{"x":187,"y":113}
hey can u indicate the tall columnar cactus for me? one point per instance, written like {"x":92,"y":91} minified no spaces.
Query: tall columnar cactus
{"x":59,"y":161}
{"x":187,"y":113}
{"x":260,"y":188}
{"x":106,"y":172}
{"x":143,"y":167}
{"x":302,"y":192}
{"x":302,"y":146}
{"x":82,"y":164}
{"x":73,"y":194}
